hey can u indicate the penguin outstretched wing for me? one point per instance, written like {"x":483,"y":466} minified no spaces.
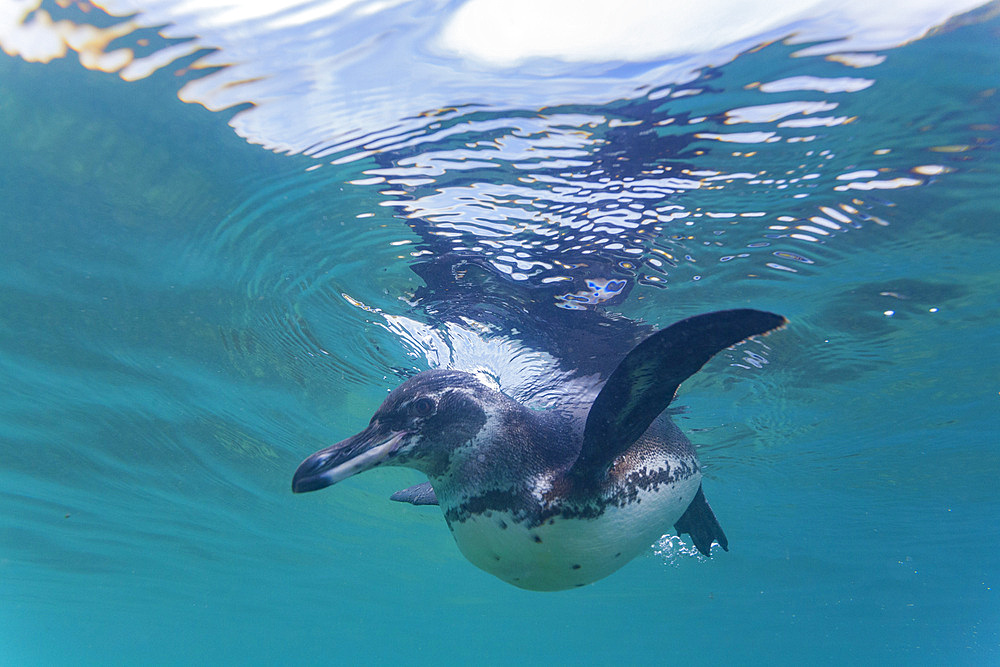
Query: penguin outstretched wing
{"x":645,"y":381}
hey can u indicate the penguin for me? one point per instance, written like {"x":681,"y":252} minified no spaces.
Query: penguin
{"x":560,"y":497}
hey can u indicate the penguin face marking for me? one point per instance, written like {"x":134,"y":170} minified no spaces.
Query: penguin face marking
{"x":439,"y":411}
{"x":419,"y":425}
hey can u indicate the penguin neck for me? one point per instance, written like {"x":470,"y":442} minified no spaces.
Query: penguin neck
{"x":516,"y":447}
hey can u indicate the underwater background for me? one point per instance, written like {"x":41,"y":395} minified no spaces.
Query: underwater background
{"x":195,"y":296}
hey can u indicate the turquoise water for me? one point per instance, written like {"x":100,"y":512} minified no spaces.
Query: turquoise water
{"x":187,"y":315}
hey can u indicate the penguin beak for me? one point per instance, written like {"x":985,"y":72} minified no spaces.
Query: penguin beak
{"x":348,"y":457}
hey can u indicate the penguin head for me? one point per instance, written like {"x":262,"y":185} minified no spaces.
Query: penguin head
{"x":420,"y":425}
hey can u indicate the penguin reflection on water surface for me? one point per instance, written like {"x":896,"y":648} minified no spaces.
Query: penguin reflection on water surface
{"x":561,"y":497}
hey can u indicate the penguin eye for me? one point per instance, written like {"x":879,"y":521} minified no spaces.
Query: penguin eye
{"x":422,"y":407}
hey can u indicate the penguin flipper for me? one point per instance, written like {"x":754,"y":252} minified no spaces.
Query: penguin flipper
{"x":420,"y":494}
{"x":700,"y":523}
{"x":645,"y":381}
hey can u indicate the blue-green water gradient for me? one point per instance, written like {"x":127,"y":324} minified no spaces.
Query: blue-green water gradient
{"x":174,"y":340}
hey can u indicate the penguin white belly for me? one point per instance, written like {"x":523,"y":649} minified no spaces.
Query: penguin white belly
{"x":570,"y":552}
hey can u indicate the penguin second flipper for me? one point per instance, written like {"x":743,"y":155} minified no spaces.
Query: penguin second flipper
{"x":645,"y":381}
{"x":420,"y":494}
{"x":700,"y":523}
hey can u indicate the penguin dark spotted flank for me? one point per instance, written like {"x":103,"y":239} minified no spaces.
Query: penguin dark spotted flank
{"x":554,"y":498}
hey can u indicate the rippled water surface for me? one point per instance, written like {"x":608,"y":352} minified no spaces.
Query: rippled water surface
{"x":194,"y":300}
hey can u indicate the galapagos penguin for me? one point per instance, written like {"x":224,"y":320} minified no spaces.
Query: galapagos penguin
{"x":560,"y":497}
